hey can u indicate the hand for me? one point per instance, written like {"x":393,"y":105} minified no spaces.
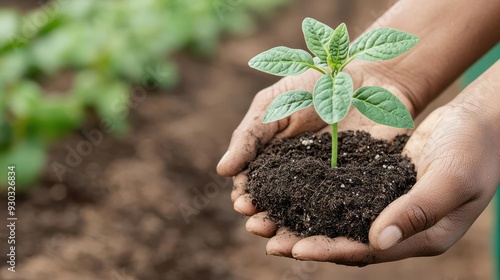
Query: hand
{"x":457,"y":152}
{"x":251,"y":131}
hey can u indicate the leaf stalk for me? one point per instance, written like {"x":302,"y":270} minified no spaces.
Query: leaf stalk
{"x":335,"y":144}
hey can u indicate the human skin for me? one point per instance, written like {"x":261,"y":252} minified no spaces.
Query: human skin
{"x":453,"y":149}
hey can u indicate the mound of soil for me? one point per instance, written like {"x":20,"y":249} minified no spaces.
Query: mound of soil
{"x":292,"y":179}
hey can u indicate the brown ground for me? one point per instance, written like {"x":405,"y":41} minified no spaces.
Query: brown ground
{"x":119,"y":214}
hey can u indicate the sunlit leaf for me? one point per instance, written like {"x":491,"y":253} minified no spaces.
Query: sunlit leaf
{"x":339,"y":46}
{"x":288,"y":103}
{"x":282,"y":61}
{"x":381,"y":106}
{"x":317,"y":36}
{"x":382,"y":44}
{"x":29,"y":158}
{"x":332,"y":97}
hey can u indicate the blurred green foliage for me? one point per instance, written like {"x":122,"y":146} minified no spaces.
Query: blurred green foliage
{"x":107,"y":46}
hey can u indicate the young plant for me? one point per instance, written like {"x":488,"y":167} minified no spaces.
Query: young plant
{"x":333,"y":93}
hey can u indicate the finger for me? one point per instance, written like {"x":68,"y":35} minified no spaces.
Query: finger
{"x":244,"y":205}
{"x":243,"y":146}
{"x":436,"y":194}
{"x":251,"y":131}
{"x":239,"y":185}
{"x":260,"y":224}
{"x":337,"y":250}
{"x":437,"y":239}
{"x":431,"y":242}
{"x":451,"y":169}
{"x":282,"y":244}
{"x":347,"y":252}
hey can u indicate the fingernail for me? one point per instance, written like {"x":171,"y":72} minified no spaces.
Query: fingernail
{"x":223,"y":159}
{"x":239,"y":205}
{"x":389,"y":237}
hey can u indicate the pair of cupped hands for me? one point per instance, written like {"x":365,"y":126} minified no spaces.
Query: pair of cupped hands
{"x":453,"y":150}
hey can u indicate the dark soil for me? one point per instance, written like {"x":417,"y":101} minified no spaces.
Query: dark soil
{"x":292,"y":179}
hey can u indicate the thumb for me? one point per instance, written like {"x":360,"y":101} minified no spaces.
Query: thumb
{"x":436,"y":194}
{"x":244,"y":143}
{"x":422,"y":207}
{"x":250,"y":133}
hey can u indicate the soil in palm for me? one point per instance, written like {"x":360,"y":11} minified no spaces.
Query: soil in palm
{"x":292,"y":179}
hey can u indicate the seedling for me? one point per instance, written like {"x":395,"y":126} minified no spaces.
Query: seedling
{"x":333,"y":93}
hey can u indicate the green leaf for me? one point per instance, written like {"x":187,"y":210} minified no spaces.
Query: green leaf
{"x":13,"y":66}
{"x":282,"y":61}
{"x":332,"y":97}
{"x":10,"y":21}
{"x":57,"y":116}
{"x":381,"y":106}
{"x":286,"y":104}
{"x":318,"y":62}
{"x":24,"y":99}
{"x":317,"y":36}
{"x":50,"y":52}
{"x":29,"y":157}
{"x":113,"y":107}
{"x":382,"y":44}
{"x":339,"y":47}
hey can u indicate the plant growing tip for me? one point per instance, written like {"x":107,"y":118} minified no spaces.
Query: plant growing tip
{"x":334,"y":92}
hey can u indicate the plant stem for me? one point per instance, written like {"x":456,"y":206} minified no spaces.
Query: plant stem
{"x":335,"y":144}
{"x":317,"y":69}
{"x":345,"y":64}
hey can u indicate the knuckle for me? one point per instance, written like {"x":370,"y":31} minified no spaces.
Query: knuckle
{"x":438,"y":249}
{"x":419,"y":219}
{"x":432,"y":245}
{"x":434,"y":248}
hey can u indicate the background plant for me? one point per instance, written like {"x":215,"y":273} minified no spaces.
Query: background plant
{"x":333,"y":93}
{"x":106,"y":46}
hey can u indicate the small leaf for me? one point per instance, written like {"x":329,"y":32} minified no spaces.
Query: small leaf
{"x":332,"y":97}
{"x":29,"y":157}
{"x":24,"y":99}
{"x":382,"y":44}
{"x":339,"y":46}
{"x":286,"y":104}
{"x":10,"y":21}
{"x":282,"y":61}
{"x":381,"y":106}
{"x":57,"y":116}
{"x":317,"y":36}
